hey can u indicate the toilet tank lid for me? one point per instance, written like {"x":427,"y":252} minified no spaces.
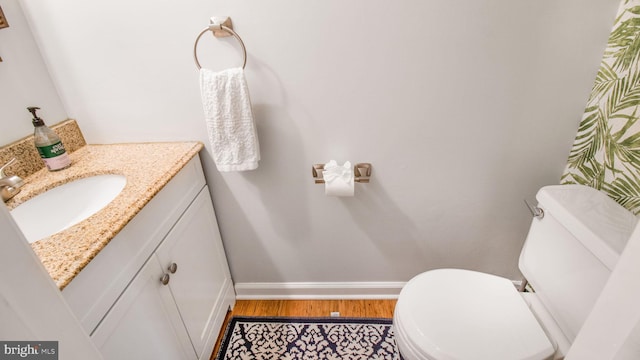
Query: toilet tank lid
{"x":596,"y":220}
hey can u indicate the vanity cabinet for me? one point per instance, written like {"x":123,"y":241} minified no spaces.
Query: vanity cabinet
{"x":161,"y":288}
{"x":145,"y":322}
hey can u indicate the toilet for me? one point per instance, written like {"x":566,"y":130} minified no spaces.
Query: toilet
{"x":456,"y":314}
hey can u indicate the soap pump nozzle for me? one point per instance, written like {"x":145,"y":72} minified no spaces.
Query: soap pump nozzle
{"x":37,"y":121}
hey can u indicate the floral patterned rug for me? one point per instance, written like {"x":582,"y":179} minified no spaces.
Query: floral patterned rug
{"x":308,"y":338}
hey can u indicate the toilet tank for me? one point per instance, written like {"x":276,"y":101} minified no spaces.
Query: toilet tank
{"x":570,"y":252}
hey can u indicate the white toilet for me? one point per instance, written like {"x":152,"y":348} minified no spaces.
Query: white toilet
{"x":453,"y":314}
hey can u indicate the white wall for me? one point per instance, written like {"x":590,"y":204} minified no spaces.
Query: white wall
{"x":24,"y":80}
{"x":612,"y":329}
{"x":464,"y":108}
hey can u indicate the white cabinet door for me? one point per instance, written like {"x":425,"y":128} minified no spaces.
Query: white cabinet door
{"x":144,"y":323}
{"x":202,"y":277}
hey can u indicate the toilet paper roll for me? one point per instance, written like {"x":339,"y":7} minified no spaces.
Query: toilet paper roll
{"x":338,"y":179}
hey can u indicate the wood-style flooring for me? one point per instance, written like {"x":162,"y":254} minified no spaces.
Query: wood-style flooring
{"x":308,"y":308}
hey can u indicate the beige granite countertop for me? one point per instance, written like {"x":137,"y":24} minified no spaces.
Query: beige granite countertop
{"x":148,"y":167}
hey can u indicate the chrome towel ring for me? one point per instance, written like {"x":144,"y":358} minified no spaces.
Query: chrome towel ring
{"x":213,"y":27}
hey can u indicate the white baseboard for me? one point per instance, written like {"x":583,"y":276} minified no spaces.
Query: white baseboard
{"x":318,"y":290}
{"x":322,"y":290}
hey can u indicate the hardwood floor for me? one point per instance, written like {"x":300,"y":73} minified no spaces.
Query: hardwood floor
{"x":308,"y":308}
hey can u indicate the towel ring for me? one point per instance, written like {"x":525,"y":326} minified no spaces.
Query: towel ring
{"x":225,"y":28}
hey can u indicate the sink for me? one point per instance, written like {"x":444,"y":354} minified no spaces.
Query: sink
{"x":66,"y":205}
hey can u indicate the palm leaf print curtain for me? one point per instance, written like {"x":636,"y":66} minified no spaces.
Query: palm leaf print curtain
{"x":606,"y":150}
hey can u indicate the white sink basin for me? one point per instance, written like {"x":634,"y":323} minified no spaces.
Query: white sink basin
{"x":66,"y":205}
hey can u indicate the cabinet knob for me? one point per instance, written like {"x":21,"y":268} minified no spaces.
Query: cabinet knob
{"x":173,"y":268}
{"x":165,"y":279}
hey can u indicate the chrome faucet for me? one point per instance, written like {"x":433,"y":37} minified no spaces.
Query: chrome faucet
{"x":9,"y":185}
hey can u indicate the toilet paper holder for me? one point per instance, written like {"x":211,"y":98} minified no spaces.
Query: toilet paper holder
{"x":361,"y":172}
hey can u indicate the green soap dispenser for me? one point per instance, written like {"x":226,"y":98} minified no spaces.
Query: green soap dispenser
{"x":49,"y":145}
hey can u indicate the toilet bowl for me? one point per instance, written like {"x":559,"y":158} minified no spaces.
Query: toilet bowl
{"x":456,"y":314}
{"x":462,"y":314}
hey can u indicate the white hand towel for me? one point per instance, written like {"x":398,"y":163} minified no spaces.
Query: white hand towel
{"x":230,"y":125}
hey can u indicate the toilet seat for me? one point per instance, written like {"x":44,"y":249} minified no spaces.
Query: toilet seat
{"x":453,"y":314}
